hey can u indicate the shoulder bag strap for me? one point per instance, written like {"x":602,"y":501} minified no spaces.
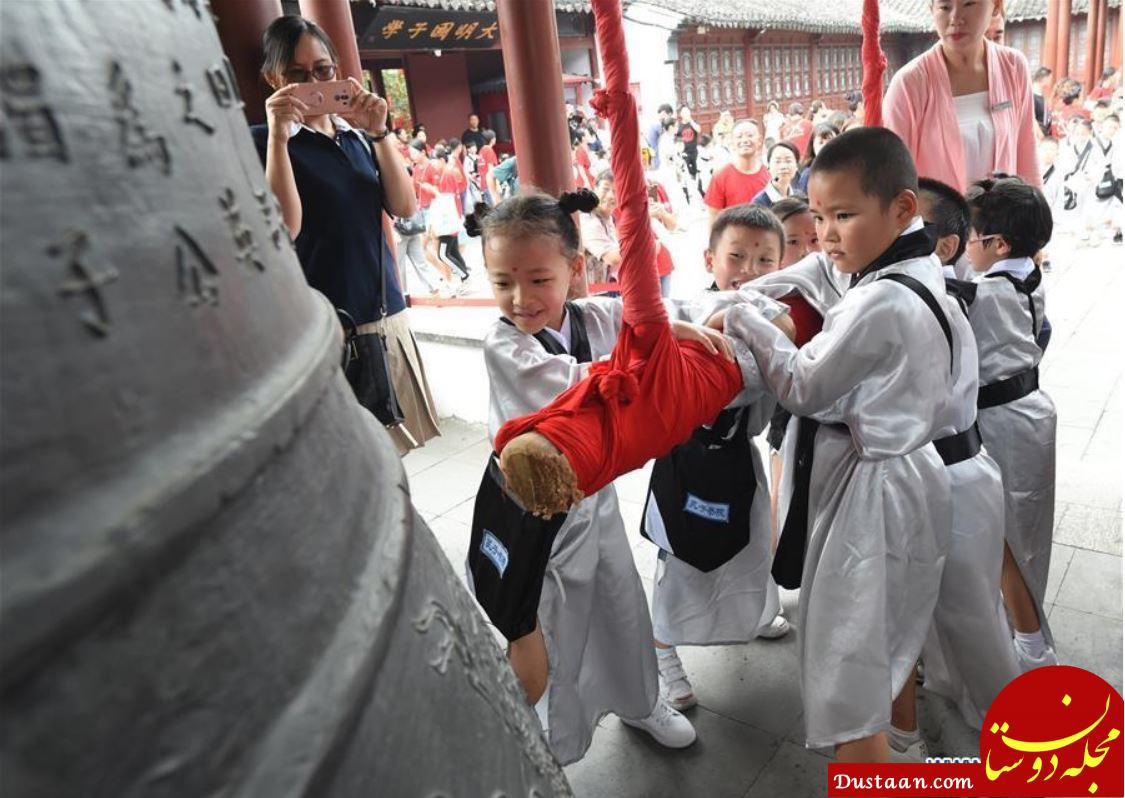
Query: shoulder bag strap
{"x":579,"y":338}
{"x":924,"y":293}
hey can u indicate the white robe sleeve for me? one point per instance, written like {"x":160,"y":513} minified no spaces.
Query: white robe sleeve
{"x":522,"y":376}
{"x":857,"y":337}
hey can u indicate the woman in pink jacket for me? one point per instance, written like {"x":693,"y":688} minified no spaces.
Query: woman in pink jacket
{"x":964,"y":106}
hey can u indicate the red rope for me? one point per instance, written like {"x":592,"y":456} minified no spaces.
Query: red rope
{"x":874,"y":65}
{"x":640,"y":285}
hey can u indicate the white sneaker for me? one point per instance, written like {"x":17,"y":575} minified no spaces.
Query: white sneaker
{"x":1030,"y":663}
{"x":915,"y":752}
{"x":667,"y":726}
{"x":907,"y":746}
{"x":675,"y":681}
{"x":779,"y":627}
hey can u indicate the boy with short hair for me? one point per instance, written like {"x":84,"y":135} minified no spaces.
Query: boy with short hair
{"x":968,"y":654}
{"x":746,"y":242}
{"x":868,"y":524}
{"x":1011,"y":222}
{"x":736,"y":601}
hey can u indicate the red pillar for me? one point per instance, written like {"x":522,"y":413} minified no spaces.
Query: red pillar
{"x":241,"y":24}
{"x":1115,"y":53}
{"x":1099,"y":54}
{"x":1050,"y":55}
{"x":1090,"y":78}
{"x":533,"y":68}
{"x":1062,"y":58}
{"x":335,"y":16}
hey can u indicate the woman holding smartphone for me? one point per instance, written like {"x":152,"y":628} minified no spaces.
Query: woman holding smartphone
{"x":334,"y":177}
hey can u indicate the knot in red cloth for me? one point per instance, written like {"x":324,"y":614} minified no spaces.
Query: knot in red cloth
{"x":604,"y":100}
{"x":614,"y":385}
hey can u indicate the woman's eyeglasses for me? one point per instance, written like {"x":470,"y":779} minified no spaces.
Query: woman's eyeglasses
{"x":318,"y":72}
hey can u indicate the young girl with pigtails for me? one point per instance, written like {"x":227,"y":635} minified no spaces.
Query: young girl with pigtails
{"x":590,"y":651}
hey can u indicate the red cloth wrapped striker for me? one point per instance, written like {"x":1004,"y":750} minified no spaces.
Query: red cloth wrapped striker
{"x":653,"y":391}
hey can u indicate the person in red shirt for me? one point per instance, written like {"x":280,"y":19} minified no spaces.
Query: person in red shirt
{"x":423,"y":173}
{"x":1068,"y":106}
{"x":1106,"y":84}
{"x":798,"y":129}
{"x":445,"y":216}
{"x":580,"y":159}
{"x":741,"y":179}
{"x":663,"y":218}
{"x":425,"y":176}
{"x":486,"y":159}
{"x":452,"y":178}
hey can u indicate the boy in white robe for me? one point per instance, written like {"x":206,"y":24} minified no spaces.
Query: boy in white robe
{"x":968,"y":655}
{"x":1011,"y":222}
{"x":871,"y":493}
{"x":737,"y":601}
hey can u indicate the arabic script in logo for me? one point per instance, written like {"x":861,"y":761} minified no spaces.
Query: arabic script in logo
{"x":1055,"y":731}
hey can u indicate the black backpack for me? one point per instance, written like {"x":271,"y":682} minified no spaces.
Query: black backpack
{"x":703,"y":490}
{"x":509,"y":546}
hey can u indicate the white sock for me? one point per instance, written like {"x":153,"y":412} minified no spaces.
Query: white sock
{"x":901,"y":740}
{"x":541,"y":709}
{"x":665,"y":652}
{"x":1032,"y":643}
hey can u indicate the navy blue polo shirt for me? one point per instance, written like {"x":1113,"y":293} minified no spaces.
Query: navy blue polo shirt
{"x":341,"y":245}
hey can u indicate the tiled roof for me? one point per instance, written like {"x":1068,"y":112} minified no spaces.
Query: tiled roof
{"x":836,"y":16}
{"x":474,"y":5}
{"x":1014,"y":10}
{"x":1037,"y":9}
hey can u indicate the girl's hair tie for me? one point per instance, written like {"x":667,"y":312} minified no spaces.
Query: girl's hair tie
{"x":473,"y":220}
{"x":583,"y":200}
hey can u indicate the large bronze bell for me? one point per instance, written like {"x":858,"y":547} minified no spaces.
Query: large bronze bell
{"x":213,"y":582}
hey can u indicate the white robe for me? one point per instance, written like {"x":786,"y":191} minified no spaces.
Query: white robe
{"x":1020,"y":435}
{"x":732,"y":603}
{"x":968,"y":654}
{"x":879,"y":502}
{"x":593,"y":610}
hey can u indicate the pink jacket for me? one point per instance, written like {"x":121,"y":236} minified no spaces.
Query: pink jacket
{"x":918,"y":107}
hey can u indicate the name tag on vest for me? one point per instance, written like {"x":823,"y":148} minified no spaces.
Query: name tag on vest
{"x":493,"y":549}
{"x":708,"y":511}
{"x":1000,"y":106}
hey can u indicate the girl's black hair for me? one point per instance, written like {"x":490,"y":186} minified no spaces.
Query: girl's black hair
{"x":819,"y":130}
{"x":279,"y":42}
{"x":1011,"y":208}
{"x":789,"y":206}
{"x":787,"y":145}
{"x":535,"y":214}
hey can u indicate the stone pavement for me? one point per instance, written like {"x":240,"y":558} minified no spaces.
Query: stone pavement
{"x":749,"y":713}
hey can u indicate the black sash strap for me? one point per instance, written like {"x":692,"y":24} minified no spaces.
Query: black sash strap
{"x":1027,"y":288}
{"x":924,"y":293}
{"x":789,"y":559}
{"x":964,"y":291}
{"x":579,"y":338}
{"x":958,"y":448}
{"x":1009,"y":390}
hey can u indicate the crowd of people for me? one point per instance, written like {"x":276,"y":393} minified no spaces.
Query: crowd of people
{"x":830,"y":246}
